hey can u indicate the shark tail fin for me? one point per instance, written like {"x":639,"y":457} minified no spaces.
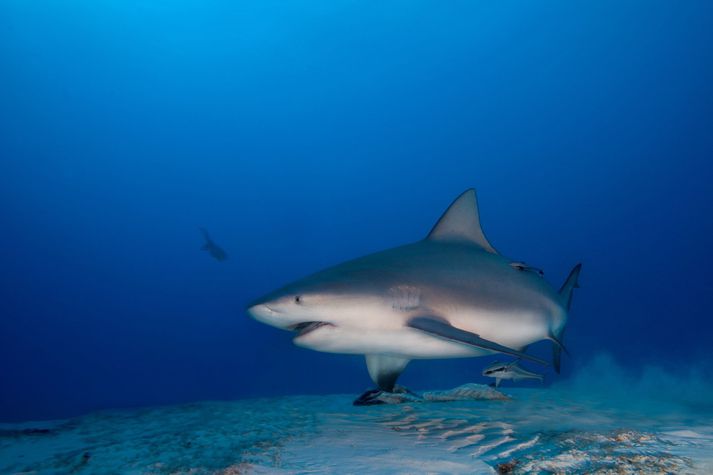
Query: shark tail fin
{"x":565,"y":293}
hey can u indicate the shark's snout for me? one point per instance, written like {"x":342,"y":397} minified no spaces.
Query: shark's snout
{"x":266,"y":306}
{"x":259,"y":310}
{"x":262,"y":311}
{"x":277,"y":310}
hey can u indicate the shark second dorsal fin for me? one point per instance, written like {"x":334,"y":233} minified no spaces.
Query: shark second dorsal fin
{"x":461,"y":222}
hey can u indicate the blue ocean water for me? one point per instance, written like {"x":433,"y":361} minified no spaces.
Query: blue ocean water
{"x":303,"y":134}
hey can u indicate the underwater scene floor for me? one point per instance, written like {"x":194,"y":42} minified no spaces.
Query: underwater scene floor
{"x":526,"y":431}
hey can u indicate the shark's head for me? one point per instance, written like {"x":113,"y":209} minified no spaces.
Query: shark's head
{"x":335,"y":297}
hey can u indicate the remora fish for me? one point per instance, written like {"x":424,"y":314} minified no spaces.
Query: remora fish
{"x":450,"y":295}
{"x":511,"y":370}
{"x":212,"y":248}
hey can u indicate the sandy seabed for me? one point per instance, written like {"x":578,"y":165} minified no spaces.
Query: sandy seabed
{"x":533,"y":431}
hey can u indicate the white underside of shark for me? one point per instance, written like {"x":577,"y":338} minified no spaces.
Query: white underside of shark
{"x":451,"y":295}
{"x":371,"y":336}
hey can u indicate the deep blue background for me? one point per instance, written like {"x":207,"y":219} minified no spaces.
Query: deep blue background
{"x":305,"y":133}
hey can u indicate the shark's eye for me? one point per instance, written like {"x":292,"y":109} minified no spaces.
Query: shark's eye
{"x":298,"y":299}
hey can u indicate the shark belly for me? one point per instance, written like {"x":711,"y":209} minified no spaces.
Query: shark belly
{"x":514,"y":330}
{"x":406,"y":342}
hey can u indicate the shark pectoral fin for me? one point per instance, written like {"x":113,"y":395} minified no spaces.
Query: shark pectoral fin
{"x":385,"y":369}
{"x":441,"y":329}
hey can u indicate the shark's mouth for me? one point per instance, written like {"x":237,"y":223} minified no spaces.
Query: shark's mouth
{"x":308,"y":327}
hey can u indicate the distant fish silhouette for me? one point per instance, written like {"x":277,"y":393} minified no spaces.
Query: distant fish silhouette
{"x":212,"y":248}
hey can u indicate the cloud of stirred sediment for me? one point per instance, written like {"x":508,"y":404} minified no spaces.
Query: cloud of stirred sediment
{"x":689,"y":384}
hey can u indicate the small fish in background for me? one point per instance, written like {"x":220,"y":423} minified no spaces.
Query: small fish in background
{"x":212,"y":248}
{"x":512,"y":370}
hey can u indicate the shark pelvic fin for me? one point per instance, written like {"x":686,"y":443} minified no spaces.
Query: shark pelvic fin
{"x":557,"y":349}
{"x":558,"y":343}
{"x":442,"y":329}
{"x":385,"y":370}
{"x":461,"y":222}
{"x":565,"y":293}
{"x":569,"y":285}
{"x":557,"y":354}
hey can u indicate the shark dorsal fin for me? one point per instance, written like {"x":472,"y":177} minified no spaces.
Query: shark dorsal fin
{"x":461,"y":222}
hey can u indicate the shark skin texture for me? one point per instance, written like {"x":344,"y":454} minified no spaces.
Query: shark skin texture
{"x":450,"y":295}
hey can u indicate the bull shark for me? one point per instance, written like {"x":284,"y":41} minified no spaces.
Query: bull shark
{"x":512,"y":370}
{"x":450,"y":295}
{"x":212,"y":248}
